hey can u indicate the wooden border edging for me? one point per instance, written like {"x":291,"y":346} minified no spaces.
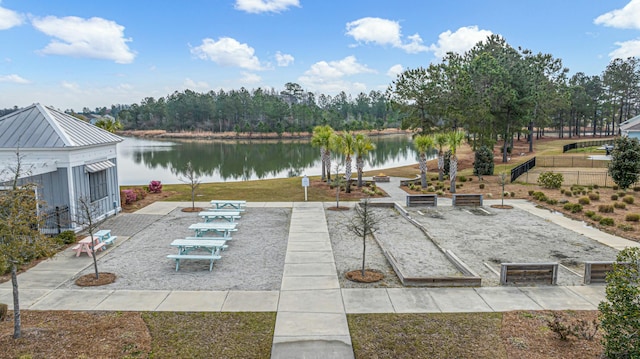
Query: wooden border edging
{"x":469,"y":278}
{"x":467,"y":200}
{"x":525,"y":273}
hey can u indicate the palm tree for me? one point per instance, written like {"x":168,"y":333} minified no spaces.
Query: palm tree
{"x":109,"y":124}
{"x":423,"y":144}
{"x":454,"y":139}
{"x":322,"y":138}
{"x":345,"y":144}
{"x":440,"y":140}
{"x":362,"y":147}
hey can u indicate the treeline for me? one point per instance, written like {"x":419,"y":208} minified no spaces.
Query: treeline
{"x":292,"y":110}
{"x":495,"y":91}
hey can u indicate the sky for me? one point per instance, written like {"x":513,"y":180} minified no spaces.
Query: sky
{"x":72,"y":54}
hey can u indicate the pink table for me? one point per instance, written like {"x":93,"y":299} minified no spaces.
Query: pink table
{"x":84,"y":246}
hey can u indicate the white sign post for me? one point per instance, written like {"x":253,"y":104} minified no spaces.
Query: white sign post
{"x":305,"y":184}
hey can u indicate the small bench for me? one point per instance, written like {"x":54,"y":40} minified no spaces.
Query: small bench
{"x":430,"y":200}
{"x":528,"y":273}
{"x":109,"y":240}
{"x":209,"y":238}
{"x":179,"y":257}
{"x":467,"y":200}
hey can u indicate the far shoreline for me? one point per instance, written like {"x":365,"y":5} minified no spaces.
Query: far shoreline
{"x":208,"y":135}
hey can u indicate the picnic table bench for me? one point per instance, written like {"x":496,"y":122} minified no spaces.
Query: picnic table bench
{"x":422,"y":200}
{"x":84,"y":246}
{"x":186,"y":246}
{"x":229,"y":216}
{"x":526,"y":273}
{"x":235,"y":204}
{"x":223,"y":229}
{"x":467,"y":200}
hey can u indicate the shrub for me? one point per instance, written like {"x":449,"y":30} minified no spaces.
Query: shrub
{"x":531,"y":192}
{"x":622,"y":194}
{"x":568,"y":194}
{"x":594,"y":196}
{"x":636,"y":189}
{"x":540,"y":196}
{"x":595,"y":186}
{"x":607,"y":221}
{"x":597,"y":217}
{"x":614,"y":197}
{"x":584,"y":200}
{"x":3,"y":312}
{"x":462,"y":178}
{"x":615,"y":187}
{"x":621,"y":309}
{"x":513,"y":194}
{"x":155,"y":187}
{"x":625,"y":227}
{"x":552,"y":201}
{"x":481,"y":185}
{"x":620,"y":205}
{"x":439,"y":193}
{"x":66,"y":237}
{"x":605,"y":208}
{"x":573,"y":207}
{"x":632,"y":217}
{"x":128,"y":196}
{"x":628,"y":199}
{"x":431,"y":189}
{"x":589,"y":214}
{"x":550,"y":180}
{"x":141,"y":193}
{"x":483,"y":162}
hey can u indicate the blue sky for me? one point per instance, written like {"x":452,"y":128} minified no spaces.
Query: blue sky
{"x":73,"y":54}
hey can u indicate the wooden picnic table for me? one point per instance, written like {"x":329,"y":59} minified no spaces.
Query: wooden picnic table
{"x":223,"y":229}
{"x":185,"y":246}
{"x":223,"y":203}
{"x":229,"y":216}
{"x":84,"y":246}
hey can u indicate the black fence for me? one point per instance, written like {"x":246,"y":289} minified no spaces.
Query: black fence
{"x":56,"y":220}
{"x":573,"y":146}
{"x":571,"y":161}
{"x":522,"y":168}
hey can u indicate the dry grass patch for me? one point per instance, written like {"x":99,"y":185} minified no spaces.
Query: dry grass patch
{"x":65,"y":334}
{"x":460,"y":335}
{"x":211,"y":335}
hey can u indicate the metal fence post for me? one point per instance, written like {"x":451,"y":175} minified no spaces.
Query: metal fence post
{"x":58,"y":219}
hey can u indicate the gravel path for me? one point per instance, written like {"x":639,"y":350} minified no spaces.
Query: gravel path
{"x":253,"y":261}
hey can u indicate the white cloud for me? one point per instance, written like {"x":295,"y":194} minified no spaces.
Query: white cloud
{"x":284,"y":60}
{"x":250,"y":78}
{"x":395,"y":70}
{"x":13,"y":78}
{"x":626,"y":49}
{"x":329,"y":76}
{"x":626,"y":18}
{"x":228,"y":52}
{"x":71,"y":86}
{"x":94,"y":38}
{"x":385,"y":33}
{"x":9,"y":19}
{"x":195,"y":85}
{"x":459,"y":41}
{"x":260,"y":6}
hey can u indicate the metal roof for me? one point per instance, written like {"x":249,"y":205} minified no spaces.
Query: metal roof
{"x":98,"y":166}
{"x":38,"y":126}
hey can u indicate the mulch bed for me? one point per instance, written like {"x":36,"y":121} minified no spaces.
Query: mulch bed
{"x":89,"y":280}
{"x":370,"y":276}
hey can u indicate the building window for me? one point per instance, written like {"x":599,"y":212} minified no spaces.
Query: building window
{"x":98,"y":185}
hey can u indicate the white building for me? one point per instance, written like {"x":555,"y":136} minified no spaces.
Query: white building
{"x":66,"y":157}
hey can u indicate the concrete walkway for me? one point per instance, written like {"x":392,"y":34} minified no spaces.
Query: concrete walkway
{"x":311,"y":307}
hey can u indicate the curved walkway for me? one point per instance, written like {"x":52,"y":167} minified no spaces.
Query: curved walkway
{"x":311,"y":307}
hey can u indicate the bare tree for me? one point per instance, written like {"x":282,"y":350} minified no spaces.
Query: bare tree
{"x":20,"y":237}
{"x":193,"y":180}
{"x":363,"y":223}
{"x":338,"y":182}
{"x":86,"y":217}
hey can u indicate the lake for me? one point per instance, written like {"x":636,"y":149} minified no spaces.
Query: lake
{"x":141,"y":160}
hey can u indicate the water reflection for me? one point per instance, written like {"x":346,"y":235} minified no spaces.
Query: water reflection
{"x":140,"y":160}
